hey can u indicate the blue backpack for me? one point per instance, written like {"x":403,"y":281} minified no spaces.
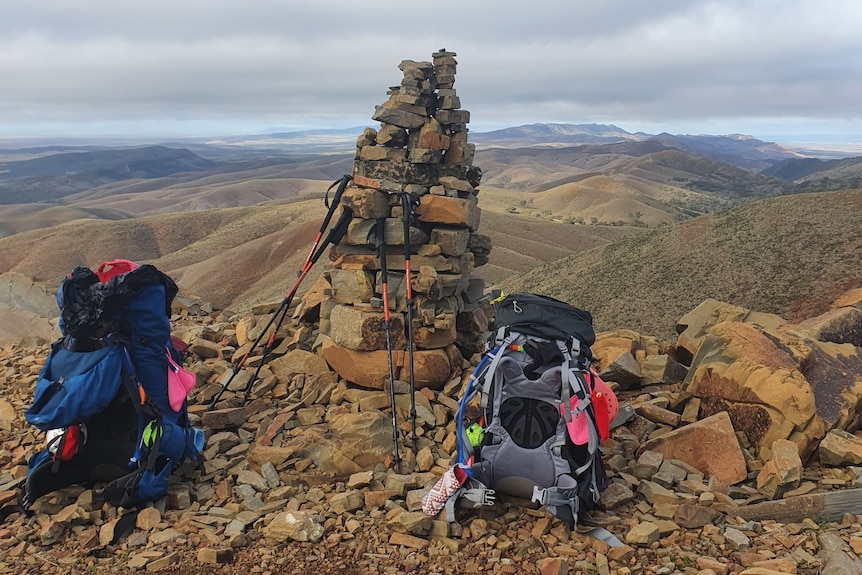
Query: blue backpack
{"x":103,"y":396}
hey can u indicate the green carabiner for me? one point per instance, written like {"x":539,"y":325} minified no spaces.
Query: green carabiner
{"x":475,"y":434}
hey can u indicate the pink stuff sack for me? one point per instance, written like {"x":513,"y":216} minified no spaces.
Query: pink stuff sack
{"x":180,"y":383}
{"x":605,"y":405}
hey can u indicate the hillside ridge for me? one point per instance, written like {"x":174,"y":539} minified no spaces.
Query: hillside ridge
{"x":788,"y":255}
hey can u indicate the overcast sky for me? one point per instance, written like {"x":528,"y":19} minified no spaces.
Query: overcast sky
{"x":783,"y":69}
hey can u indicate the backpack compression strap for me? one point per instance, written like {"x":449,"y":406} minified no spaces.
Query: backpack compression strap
{"x":149,"y":433}
{"x":571,"y":372}
{"x":122,"y":491}
{"x":472,"y":495}
{"x":561,"y":503}
{"x":465,"y":448}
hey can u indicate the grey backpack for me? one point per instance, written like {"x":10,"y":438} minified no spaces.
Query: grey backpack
{"x":538,"y":431}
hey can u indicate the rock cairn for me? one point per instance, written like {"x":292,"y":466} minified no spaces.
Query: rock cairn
{"x":420,"y":149}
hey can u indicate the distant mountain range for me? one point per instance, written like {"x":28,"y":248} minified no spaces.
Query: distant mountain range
{"x":554,"y":134}
{"x":52,"y":176}
{"x":735,"y":148}
{"x":740,"y":150}
{"x":255,"y":169}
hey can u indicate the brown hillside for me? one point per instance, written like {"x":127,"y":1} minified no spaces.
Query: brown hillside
{"x":246,"y":183}
{"x":229,"y":257}
{"x":262,"y":269}
{"x":241,"y":189}
{"x":614,"y":183}
{"x":522,"y":242}
{"x":17,"y":218}
{"x":537,"y":169}
{"x":135,"y":198}
{"x":201,"y":244}
{"x":790,"y":255}
{"x":605,"y":199}
{"x":235,"y":257}
{"x":701,"y":174}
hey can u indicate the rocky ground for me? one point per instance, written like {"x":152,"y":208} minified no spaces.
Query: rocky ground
{"x":301,"y":480}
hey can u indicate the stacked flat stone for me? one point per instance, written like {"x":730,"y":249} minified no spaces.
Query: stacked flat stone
{"x":420,"y":148}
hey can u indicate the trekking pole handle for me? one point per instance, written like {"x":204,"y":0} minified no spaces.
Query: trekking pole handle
{"x":336,"y":199}
{"x":339,"y":191}
{"x":408,"y":205}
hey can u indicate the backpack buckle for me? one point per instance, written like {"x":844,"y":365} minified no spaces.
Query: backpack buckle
{"x":539,"y":496}
{"x":477,"y":496}
{"x":554,"y":497}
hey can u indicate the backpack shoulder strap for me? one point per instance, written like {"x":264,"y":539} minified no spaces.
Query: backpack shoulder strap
{"x":495,"y":361}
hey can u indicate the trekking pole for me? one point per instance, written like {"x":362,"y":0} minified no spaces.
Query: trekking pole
{"x":384,"y":282}
{"x":334,"y":236}
{"x":407,"y":204}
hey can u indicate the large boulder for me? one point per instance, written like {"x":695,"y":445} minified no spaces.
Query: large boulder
{"x":633,"y":360}
{"x":841,"y":324}
{"x":29,"y":310}
{"x":360,"y":328}
{"x":777,"y":383}
{"x":708,"y":445}
{"x":432,"y":367}
{"x":694,"y":326}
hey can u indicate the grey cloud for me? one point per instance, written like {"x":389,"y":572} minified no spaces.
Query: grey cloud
{"x":299,"y":63}
{"x":484,"y":19}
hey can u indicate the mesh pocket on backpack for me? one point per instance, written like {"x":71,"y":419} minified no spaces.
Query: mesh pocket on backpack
{"x":529,"y":422}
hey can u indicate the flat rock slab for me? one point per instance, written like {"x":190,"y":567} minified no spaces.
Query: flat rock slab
{"x":709,"y":445}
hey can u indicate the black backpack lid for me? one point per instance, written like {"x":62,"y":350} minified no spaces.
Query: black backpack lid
{"x":543,"y":316}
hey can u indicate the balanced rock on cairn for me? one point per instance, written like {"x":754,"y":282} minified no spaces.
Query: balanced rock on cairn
{"x":420,"y":149}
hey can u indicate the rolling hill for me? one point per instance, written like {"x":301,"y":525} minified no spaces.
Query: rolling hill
{"x":639,"y":182}
{"x":789,"y":255}
{"x":250,"y":182}
{"x":603,"y":219}
{"x":824,"y":174}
